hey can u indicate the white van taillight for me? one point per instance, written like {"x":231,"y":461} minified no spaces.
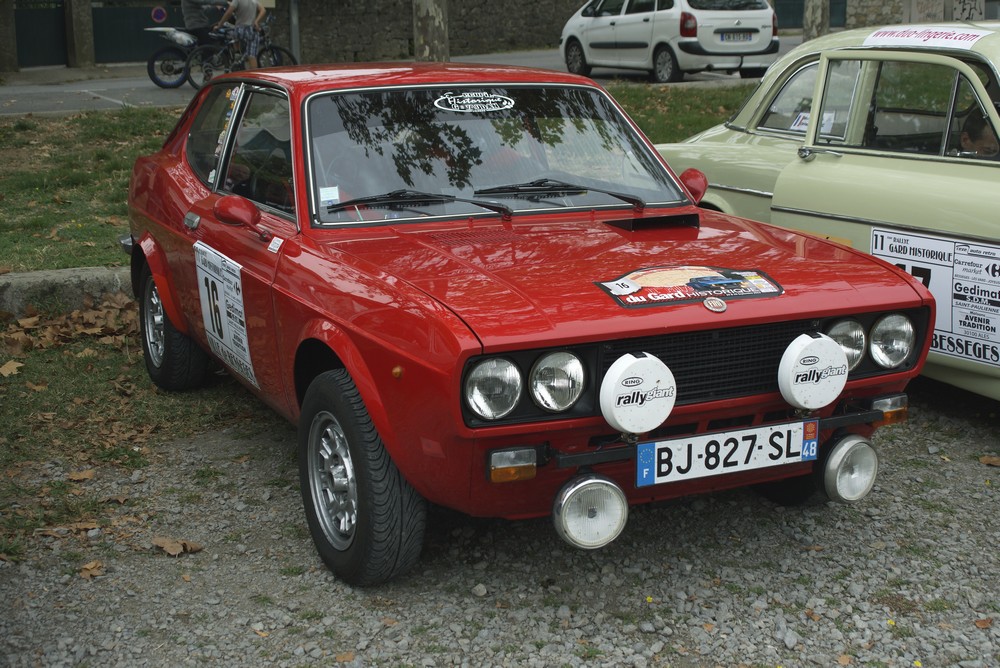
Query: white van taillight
{"x":689,"y":25}
{"x":774,"y":24}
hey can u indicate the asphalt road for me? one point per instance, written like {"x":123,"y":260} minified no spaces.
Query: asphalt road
{"x":46,"y":90}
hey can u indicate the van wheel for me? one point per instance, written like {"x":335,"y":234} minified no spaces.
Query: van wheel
{"x":576,"y":61}
{"x":365,"y":519}
{"x":665,"y":66}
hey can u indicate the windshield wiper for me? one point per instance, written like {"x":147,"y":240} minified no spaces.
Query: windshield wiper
{"x":552,"y":187}
{"x":408,"y":197}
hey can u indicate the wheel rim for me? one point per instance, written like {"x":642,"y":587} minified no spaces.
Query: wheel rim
{"x":664,"y":66}
{"x":574,"y":58}
{"x":153,"y":321}
{"x":332,"y":481}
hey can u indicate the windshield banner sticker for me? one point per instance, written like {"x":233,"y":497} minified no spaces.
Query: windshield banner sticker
{"x":220,"y":289}
{"x":655,"y":286}
{"x":964,"y":278}
{"x":473,"y":101}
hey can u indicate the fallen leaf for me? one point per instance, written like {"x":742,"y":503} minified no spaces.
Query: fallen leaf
{"x":844,"y":660}
{"x":708,"y":627}
{"x":264,"y":634}
{"x":346,"y":657}
{"x":92,"y":570}
{"x":990,"y":460}
{"x":175,"y":547}
{"x":186,"y":577}
{"x":78,"y":476}
{"x":10,"y":368}
{"x":984,"y":623}
{"x":36,"y":388}
{"x":812,"y":615}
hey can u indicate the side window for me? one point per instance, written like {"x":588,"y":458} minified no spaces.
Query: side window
{"x":664,"y":4}
{"x":909,"y":108}
{"x":260,"y":167}
{"x":972,"y":136}
{"x":609,"y":8}
{"x":789,"y":110}
{"x":208,"y":132}
{"x":640,"y":6}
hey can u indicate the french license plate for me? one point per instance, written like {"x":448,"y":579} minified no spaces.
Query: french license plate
{"x":704,"y":455}
{"x":735,"y":36}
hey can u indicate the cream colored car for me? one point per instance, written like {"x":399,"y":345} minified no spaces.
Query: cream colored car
{"x":902,"y":164}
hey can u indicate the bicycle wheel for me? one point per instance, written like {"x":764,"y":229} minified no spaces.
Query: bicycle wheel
{"x":167,"y":67}
{"x":275,"y":56}
{"x":206,"y":62}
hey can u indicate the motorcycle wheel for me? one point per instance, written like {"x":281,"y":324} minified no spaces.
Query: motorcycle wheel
{"x":167,"y":68}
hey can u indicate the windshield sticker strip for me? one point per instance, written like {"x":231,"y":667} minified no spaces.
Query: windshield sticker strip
{"x":473,"y":102}
{"x":656,"y":286}
{"x":928,"y":36}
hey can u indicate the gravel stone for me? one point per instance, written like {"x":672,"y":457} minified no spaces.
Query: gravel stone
{"x":908,"y":575}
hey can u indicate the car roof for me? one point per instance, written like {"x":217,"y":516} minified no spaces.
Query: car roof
{"x":982,"y":37}
{"x":308,"y":79}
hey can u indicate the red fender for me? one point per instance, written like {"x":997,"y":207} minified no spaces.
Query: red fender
{"x":158,"y":267}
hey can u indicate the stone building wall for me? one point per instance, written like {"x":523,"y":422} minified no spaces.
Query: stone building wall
{"x":368,"y":30}
{"x":861,"y":13}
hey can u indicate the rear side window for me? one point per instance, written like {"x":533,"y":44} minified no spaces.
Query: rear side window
{"x":208,"y":132}
{"x":789,"y":110}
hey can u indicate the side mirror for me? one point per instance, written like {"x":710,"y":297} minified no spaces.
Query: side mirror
{"x":239,"y":211}
{"x":696,"y":182}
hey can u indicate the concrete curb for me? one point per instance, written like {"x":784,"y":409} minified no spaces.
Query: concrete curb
{"x":60,"y":290}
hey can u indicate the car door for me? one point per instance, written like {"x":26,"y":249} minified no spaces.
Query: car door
{"x":634,"y":33}
{"x":238,"y":234}
{"x":901,"y":185}
{"x":599,"y":34}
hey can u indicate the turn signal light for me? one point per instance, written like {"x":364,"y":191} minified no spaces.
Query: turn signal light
{"x":513,"y":465}
{"x":894,"y":409}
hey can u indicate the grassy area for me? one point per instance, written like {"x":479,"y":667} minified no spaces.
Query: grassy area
{"x":74,"y":395}
{"x":65,"y":179}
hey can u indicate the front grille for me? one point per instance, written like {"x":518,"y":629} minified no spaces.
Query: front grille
{"x":716,"y":364}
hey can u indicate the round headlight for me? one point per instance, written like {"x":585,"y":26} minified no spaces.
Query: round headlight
{"x":556,"y":381}
{"x":851,"y":337}
{"x":493,"y":388}
{"x":892,"y":340}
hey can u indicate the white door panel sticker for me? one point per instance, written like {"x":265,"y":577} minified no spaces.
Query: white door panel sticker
{"x":220,"y":290}
{"x":964,"y":278}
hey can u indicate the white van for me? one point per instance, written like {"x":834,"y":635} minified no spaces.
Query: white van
{"x":670,"y":37}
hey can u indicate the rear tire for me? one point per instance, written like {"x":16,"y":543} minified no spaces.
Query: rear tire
{"x":576,"y":61}
{"x":276,"y":56}
{"x":206,"y":62}
{"x":365,"y":519}
{"x":665,"y":66}
{"x":173,"y":360}
{"x":167,"y":68}
{"x":753,"y":72}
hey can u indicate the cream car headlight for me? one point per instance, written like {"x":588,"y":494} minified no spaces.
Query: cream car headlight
{"x":892,"y":339}
{"x":556,"y":381}
{"x":851,"y":337}
{"x":493,"y":388}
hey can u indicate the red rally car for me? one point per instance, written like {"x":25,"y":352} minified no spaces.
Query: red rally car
{"x":481,"y":287}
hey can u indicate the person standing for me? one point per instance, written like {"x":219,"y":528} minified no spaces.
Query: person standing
{"x":247,"y":15}
{"x":198,"y":19}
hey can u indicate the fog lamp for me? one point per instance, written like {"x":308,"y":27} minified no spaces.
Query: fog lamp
{"x":590,"y":512}
{"x":850,"y":470}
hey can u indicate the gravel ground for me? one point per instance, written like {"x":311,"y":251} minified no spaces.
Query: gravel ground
{"x":906,"y":578}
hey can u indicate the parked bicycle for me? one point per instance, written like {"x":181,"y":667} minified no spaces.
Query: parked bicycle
{"x":167,"y":67}
{"x":211,"y":60}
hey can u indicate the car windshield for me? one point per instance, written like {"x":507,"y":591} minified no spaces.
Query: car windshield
{"x":408,"y":153}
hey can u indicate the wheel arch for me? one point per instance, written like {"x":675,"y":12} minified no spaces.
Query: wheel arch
{"x":147,"y":252}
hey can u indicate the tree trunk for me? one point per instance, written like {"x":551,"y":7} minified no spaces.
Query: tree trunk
{"x":815,"y":19}
{"x":430,"y":30}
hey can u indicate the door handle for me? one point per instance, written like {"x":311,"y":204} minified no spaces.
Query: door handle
{"x":809,"y":154}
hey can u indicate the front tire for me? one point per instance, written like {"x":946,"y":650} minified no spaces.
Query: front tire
{"x":365,"y":519}
{"x":576,"y":61}
{"x":665,"y":66}
{"x":173,"y":360}
{"x":167,"y":68}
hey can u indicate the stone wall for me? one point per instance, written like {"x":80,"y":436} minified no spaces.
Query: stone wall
{"x":862,"y":13}
{"x":348,"y":30}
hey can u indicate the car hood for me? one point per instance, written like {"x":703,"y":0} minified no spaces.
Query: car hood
{"x":531,"y":283}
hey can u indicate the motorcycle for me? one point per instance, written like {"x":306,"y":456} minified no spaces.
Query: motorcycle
{"x":167,"y":67}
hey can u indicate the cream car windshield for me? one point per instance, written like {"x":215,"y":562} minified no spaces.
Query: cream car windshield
{"x":409,"y":153}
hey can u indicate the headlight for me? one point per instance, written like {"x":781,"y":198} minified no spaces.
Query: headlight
{"x":556,"y":381}
{"x":892,"y":340}
{"x":851,"y":337}
{"x":493,"y":388}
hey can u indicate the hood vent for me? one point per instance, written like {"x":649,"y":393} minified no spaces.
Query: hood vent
{"x":656,"y":222}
